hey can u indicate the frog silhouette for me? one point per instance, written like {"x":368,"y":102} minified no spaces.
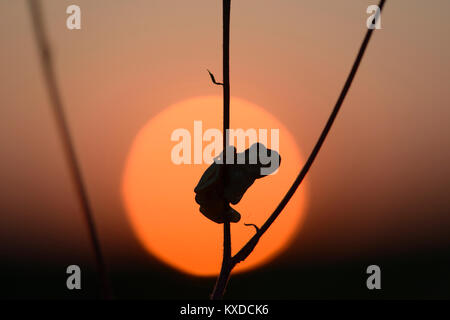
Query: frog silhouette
{"x":217,"y":189}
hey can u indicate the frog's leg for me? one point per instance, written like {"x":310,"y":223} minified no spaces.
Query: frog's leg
{"x":233,"y":215}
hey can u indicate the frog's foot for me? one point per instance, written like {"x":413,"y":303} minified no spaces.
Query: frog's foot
{"x":233,"y":215}
{"x":219,"y":214}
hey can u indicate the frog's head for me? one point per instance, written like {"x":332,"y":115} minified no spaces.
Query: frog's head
{"x":262,"y":161}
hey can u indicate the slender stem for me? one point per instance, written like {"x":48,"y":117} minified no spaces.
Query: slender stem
{"x":222,"y":280}
{"x":226,"y":107}
{"x":248,"y":248}
{"x":227,"y":266}
{"x":67,"y":143}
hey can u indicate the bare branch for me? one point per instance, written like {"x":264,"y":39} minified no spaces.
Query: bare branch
{"x":248,"y":248}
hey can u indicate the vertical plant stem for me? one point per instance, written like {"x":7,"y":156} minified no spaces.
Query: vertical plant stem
{"x":67,"y":143}
{"x":226,"y":109}
{"x":226,"y":268}
{"x":247,"y":249}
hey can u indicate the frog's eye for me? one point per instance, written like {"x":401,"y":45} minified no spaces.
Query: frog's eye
{"x":231,"y":155}
{"x":272,"y":166}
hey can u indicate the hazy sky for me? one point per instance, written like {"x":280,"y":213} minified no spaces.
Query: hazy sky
{"x":380,"y":183}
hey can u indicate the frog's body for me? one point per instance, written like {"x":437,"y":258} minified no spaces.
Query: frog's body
{"x":216,"y":190}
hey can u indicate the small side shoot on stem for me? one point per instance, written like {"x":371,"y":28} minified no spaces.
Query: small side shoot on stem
{"x":213,"y":79}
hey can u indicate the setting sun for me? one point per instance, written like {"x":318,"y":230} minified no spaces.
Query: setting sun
{"x":159,"y":195}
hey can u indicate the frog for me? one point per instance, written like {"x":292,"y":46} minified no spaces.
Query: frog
{"x":221,"y":185}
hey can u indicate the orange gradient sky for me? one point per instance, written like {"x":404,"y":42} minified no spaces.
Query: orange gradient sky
{"x":380,"y":183}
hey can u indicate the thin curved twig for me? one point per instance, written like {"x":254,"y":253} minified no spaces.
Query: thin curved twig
{"x":252,"y":225}
{"x":242,"y":254}
{"x":213,"y":79}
